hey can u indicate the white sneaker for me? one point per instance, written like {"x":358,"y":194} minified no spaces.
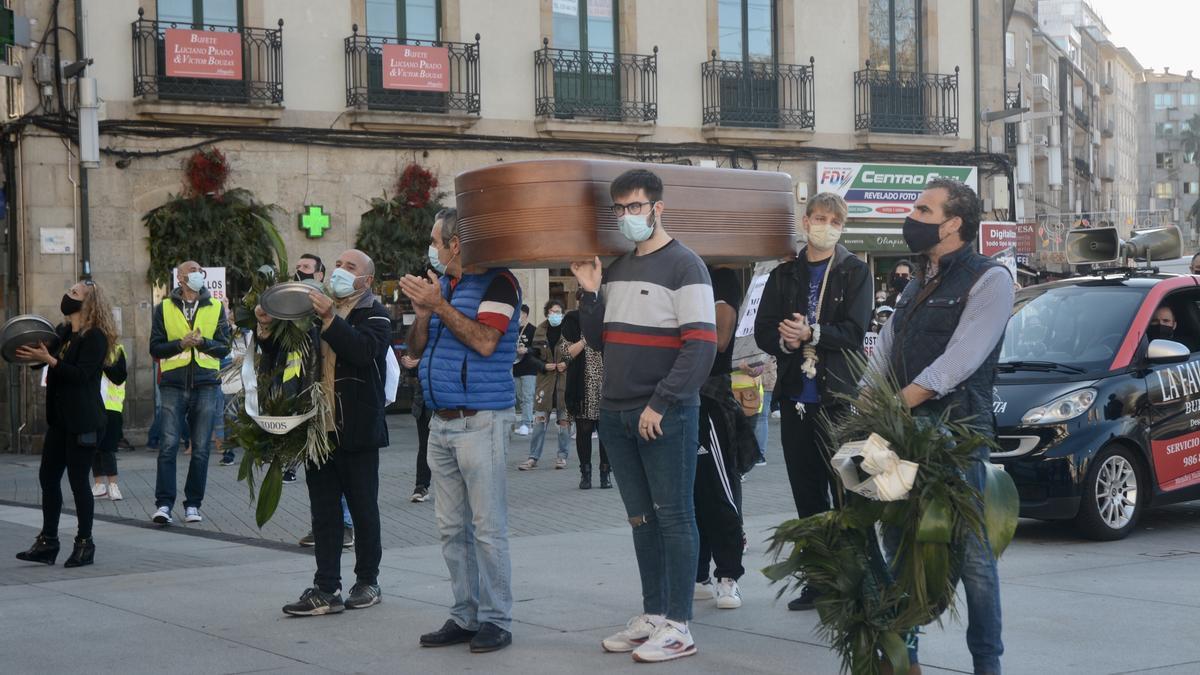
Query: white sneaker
{"x":775,"y":415}
{"x":671,"y":641}
{"x":704,"y":591}
{"x":637,"y":630}
{"x":162,"y":516}
{"x":114,"y":493}
{"x":192,"y":515}
{"x":728,"y":595}
{"x":523,"y":430}
{"x":99,"y":489}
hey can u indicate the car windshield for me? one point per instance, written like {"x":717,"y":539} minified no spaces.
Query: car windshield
{"x":1076,"y":328}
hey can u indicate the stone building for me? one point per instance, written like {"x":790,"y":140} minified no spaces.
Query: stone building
{"x":1169,"y":174}
{"x":308,"y":115}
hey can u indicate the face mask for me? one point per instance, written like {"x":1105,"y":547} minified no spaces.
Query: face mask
{"x":555,"y":320}
{"x":1158,"y":331}
{"x":823,"y":236}
{"x":434,"y":262}
{"x":636,"y":228}
{"x":69,"y":305}
{"x":899,"y":283}
{"x":341,"y":283}
{"x":921,"y":237}
{"x":301,"y":276}
{"x":195,"y":281}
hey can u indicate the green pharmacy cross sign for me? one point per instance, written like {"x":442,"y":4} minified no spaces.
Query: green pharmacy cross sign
{"x":314,"y":221}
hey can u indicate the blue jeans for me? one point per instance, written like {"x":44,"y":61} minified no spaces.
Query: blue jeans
{"x":981,"y":582}
{"x":537,"y":440}
{"x":656,"y":479}
{"x":467,"y":460}
{"x":346,"y":519}
{"x":526,"y":386}
{"x":762,"y":425}
{"x":195,"y":408}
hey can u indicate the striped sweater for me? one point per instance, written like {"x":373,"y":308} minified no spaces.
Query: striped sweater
{"x":655,"y":321}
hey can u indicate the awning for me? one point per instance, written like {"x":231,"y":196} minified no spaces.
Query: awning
{"x":874,"y":238}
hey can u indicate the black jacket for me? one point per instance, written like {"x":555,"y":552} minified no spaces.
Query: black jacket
{"x":73,"y":401}
{"x":360,"y":341}
{"x":845,"y":316}
{"x":162,"y":348}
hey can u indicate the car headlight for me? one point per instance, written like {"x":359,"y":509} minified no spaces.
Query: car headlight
{"x":1062,"y":409}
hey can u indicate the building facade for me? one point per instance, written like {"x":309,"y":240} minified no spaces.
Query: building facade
{"x":297,"y":95}
{"x":1169,"y":134}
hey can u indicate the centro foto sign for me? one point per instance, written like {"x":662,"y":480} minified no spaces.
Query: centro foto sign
{"x":885,"y":190}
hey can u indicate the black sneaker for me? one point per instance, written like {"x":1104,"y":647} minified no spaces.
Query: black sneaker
{"x":227,"y":460}
{"x":347,"y":537}
{"x":807,"y":600}
{"x":420,"y":494}
{"x":449,"y":634}
{"x":490,"y":638}
{"x":289,"y":477}
{"x":363,"y":596}
{"x":315,"y":602}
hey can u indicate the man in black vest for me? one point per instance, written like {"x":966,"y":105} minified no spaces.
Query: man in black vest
{"x":942,"y":344}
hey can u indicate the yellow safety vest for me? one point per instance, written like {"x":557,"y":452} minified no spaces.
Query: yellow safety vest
{"x":206,"y":319}
{"x":291,"y":371}
{"x":113,"y":394}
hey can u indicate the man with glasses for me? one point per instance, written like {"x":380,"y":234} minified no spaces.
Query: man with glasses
{"x":652,"y":314}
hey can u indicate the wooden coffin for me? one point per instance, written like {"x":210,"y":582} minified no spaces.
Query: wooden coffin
{"x":547,"y":213}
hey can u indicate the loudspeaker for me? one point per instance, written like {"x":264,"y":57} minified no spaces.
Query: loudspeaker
{"x":1104,"y":245}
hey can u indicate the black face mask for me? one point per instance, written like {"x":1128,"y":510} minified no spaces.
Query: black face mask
{"x":899,"y":283}
{"x":1157,"y":331}
{"x":301,"y":276}
{"x":69,"y":305}
{"x":919,"y":236}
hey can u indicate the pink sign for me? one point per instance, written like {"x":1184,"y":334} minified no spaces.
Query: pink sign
{"x":995,"y":237}
{"x":418,"y":68}
{"x":206,"y":54}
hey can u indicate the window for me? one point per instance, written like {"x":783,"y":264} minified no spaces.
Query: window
{"x":1028,"y":57}
{"x":587,"y":25}
{"x":894,"y":29}
{"x":403,"y":19}
{"x":746,"y":30}
{"x":1010,"y":48}
{"x":1164,"y":129}
{"x":1164,"y":160}
{"x":200,"y":12}
{"x":1191,"y":188}
{"x":1189,"y":99}
{"x":1189,"y":157}
{"x":1162,"y":101}
{"x":1164,"y":190}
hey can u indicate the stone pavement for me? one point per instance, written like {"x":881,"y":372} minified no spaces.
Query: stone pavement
{"x":206,"y":599}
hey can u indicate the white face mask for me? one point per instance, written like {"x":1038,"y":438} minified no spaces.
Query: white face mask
{"x":823,"y":235}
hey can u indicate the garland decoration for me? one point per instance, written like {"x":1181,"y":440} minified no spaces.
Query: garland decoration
{"x":395,"y":231}
{"x":867,"y":606}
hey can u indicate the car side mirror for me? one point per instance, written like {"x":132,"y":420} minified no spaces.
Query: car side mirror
{"x":1167,"y":351}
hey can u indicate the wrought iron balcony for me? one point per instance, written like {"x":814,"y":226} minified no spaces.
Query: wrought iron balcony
{"x":256,"y":77}
{"x":448,"y":81}
{"x":1082,"y":168}
{"x":571,"y":83}
{"x":758,"y":94}
{"x":1083,"y":118}
{"x":902,"y":102}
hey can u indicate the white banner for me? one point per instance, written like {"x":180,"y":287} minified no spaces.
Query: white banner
{"x":269,"y":424}
{"x":750,"y":306}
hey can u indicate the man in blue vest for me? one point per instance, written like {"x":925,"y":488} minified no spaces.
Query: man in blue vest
{"x":465,"y":336}
{"x":189,"y":337}
{"x":942,"y":345}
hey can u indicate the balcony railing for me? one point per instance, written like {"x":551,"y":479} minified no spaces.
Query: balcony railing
{"x":900,"y":102}
{"x":571,"y":83}
{"x":758,"y":94}
{"x":1012,"y":101}
{"x":452,"y":86}
{"x":259,"y":57}
{"x":1082,"y":167}
{"x":1083,"y":118}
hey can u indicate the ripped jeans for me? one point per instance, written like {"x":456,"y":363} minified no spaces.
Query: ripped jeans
{"x":656,"y":479}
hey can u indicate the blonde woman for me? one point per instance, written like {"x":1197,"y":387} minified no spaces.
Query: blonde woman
{"x":74,"y":416}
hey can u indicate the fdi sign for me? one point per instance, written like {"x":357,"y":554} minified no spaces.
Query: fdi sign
{"x":885,"y":190}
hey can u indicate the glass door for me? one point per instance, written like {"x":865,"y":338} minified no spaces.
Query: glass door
{"x":894,"y":31}
{"x":415,"y":22}
{"x":587,"y":77}
{"x":197,"y":15}
{"x":746,"y":35}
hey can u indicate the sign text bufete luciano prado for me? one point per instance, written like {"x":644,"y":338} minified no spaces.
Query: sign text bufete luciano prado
{"x":203,"y":54}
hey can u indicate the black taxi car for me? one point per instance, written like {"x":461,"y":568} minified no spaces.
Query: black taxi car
{"x":1096,"y":422}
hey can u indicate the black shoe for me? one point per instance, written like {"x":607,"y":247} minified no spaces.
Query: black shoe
{"x":490,"y":638}
{"x":605,"y":478}
{"x":585,"y":476}
{"x":449,"y":634}
{"x":44,"y":550}
{"x":363,"y":596}
{"x":315,"y":602}
{"x":228,"y":460}
{"x":807,"y":600}
{"x":289,"y":477}
{"x":83,"y":554}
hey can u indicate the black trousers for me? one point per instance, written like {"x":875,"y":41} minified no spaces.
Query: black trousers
{"x":62,"y":452}
{"x":355,"y":474}
{"x":807,"y":450}
{"x":105,"y":463}
{"x":583,"y":444}
{"x":423,"y":473}
{"x":718,"y":497}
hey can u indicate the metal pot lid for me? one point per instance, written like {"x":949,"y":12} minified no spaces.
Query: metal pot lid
{"x":27,"y":337}
{"x":25,"y":322}
{"x":288,"y":301}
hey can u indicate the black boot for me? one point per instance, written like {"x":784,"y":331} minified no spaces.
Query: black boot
{"x":605,"y":472}
{"x":84,"y":553}
{"x":44,"y":550}
{"x":585,"y":476}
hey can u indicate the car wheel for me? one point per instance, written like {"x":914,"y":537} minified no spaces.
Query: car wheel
{"x":1110,"y":506}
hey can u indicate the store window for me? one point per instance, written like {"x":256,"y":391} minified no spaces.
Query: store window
{"x":404,"y":20}
{"x":201,"y":12}
{"x":894,"y":31}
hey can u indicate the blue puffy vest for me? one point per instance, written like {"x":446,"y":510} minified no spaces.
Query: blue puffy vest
{"x":456,"y":376}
